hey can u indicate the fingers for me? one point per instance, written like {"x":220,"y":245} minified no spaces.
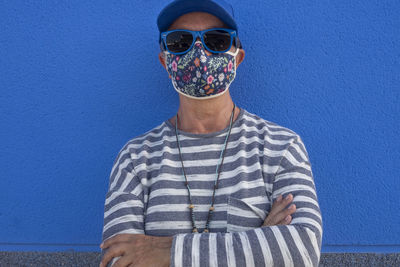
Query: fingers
{"x":114,"y":251}
{"x":117,"y":238}
{"x":281,"y":203}
{"x":286,"y":221}
{"x":284,"y":216}
{"x":279,"y":214}
{"x":122,"y":262}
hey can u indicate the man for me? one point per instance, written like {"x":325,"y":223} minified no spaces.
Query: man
{"x":173,"y":201}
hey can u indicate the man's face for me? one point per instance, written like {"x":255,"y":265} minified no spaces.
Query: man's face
{"x":198,"y":21}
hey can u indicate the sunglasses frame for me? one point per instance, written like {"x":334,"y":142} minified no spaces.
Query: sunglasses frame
{"x":200,"y":34}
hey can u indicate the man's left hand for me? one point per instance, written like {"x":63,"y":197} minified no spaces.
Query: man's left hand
{"x":137,"y":250}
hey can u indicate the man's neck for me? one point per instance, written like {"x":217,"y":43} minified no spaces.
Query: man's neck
{"x":205,"y":116}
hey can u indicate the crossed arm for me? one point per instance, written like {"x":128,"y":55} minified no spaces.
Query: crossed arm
{"x":154,"y":250}
{"x":294,"y":244}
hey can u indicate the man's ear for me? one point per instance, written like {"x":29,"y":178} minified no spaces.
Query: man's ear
{"x":161,"y":58}
{"x":240,"y":57}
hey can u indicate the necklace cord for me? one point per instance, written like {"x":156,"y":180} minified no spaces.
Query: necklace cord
{"x":218,"y":172}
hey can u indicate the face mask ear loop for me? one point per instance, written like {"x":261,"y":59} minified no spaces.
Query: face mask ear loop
{"x":166,"y":53}
{"x":234,"y":59}
{"x":234,"y":54}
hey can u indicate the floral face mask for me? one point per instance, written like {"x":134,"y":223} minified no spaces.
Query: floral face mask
{"x":201,"y":74}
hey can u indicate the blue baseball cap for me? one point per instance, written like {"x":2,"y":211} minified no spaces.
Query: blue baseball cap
{"x":177,"y":8}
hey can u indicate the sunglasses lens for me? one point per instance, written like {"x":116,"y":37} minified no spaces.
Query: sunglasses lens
{"x":179,"y":41}
{"x":217,"y":40}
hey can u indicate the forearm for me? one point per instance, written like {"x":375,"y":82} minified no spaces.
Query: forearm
{"x":281,"y":245}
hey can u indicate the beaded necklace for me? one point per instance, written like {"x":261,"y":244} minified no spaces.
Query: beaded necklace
{"x":217,"y":171}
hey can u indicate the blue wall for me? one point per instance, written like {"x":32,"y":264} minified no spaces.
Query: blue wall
{"x":78,"y":79}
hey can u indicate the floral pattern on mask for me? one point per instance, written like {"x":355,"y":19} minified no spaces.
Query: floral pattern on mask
{"x":200,"y":73}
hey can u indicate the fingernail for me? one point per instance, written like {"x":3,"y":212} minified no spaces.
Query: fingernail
{"x":291,"y":206}
{"x":287,"y":218}
{"x":287,"y":197}
{"x":101,"y":245}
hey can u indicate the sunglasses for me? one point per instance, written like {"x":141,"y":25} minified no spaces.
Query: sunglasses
{"x":216,"y":40}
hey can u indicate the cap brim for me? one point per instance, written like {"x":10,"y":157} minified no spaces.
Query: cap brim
{"x":176,"y":9}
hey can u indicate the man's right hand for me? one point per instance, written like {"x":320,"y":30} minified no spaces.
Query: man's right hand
{"x":279,"y":214}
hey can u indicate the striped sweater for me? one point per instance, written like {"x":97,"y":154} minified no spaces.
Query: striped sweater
{"x":147,"y":194}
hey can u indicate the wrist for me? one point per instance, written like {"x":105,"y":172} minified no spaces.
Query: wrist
{"x":166,"y":242}
{"x":162,"y":242}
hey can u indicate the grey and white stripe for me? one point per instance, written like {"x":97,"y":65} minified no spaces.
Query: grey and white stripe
{"x":147,"y":194}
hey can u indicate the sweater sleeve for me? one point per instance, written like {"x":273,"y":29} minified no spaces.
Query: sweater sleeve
{"x":124,"y":205}
{"x":296,"y":244}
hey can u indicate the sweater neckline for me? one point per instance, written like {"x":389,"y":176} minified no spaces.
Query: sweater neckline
{"x":205,"y":135}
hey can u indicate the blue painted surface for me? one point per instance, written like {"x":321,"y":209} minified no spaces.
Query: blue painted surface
{"x":80,"y":78}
